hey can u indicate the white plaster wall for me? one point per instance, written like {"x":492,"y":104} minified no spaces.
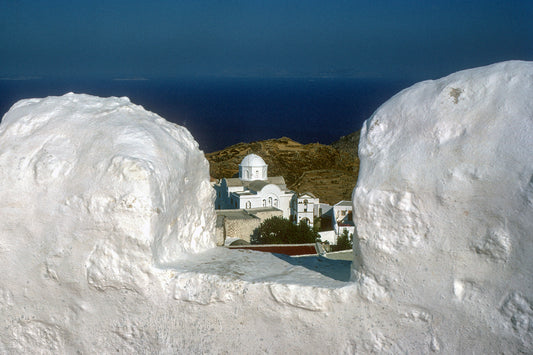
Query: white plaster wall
{"x":283,"y":198}
{"x":427,"y":277}
{"x":443,"y":204}
{"x":329,"y":236}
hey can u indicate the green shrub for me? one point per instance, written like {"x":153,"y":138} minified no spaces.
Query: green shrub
{"x":278,"y":230}
{"x":345,"y":241}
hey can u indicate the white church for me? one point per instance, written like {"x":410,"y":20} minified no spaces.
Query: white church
{"x":255,"y":189}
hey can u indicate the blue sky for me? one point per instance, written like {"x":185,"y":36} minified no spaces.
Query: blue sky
{"x":168,"y":39}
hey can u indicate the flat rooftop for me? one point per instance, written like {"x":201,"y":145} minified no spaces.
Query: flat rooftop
{"x":235,"y":214}
{"x":262,"y":209}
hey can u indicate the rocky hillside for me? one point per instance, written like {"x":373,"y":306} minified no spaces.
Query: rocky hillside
{"x":348,"y":144}
{"x":328,"y":171}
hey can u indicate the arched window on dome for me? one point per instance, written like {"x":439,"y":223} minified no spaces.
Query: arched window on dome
{"x":270,"y":201}
{"x":248,"y":204}
{"x":246,"y":175}
{"x":276,"y":202}
{"x":264,"y":203}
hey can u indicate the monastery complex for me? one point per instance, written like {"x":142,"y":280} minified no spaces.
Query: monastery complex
{"x":243,"y":202}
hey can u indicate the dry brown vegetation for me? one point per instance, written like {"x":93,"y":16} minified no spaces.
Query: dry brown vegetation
{"x":328,"y":171}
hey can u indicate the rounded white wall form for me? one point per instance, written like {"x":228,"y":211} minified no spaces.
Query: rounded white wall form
{"x":107,"y":241}
{"x":108,"y":177}
{"x":80,"y":272}
{"x":253,"y":167}
{"x":444,"y":200}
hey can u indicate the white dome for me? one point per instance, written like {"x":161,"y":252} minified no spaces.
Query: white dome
{"x":253,"y":160}
{"x":253,"y":167}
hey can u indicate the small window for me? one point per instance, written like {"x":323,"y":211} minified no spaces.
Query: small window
{"x":248,"y":204}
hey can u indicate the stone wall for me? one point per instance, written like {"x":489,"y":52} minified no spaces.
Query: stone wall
{"x":241,"y":228}
{"x":265,"y":213}
{"x":241,"y":223}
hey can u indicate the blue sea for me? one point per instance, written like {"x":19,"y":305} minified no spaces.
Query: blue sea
{"x":222,"y":112}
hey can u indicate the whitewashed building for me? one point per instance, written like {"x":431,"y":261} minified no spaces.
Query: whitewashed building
{"x":303,"y":208}
{"x":343,"y":218}
{"x":253,"y":188}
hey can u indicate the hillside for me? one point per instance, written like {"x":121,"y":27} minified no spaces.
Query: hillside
{"x":328,"y":171}
{"x":348,"y":144}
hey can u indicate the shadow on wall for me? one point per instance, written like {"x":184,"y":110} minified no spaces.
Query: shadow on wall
{"x":339,"y":270}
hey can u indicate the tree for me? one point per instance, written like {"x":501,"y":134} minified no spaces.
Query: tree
{"x":304,"y":234}
{"x":278,"y":230}
{"x":317,"y":224}
{"x":345,"y":241}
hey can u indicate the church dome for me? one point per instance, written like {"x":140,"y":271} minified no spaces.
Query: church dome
{"x":253,"y":160}
{"x":253,"y":167}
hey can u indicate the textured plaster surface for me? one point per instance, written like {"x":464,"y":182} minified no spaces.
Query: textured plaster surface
{"x":443,"y":205}
{"x":107,"y":234}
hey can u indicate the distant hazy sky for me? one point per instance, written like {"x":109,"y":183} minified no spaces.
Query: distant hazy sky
{"x":307,"y":38}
